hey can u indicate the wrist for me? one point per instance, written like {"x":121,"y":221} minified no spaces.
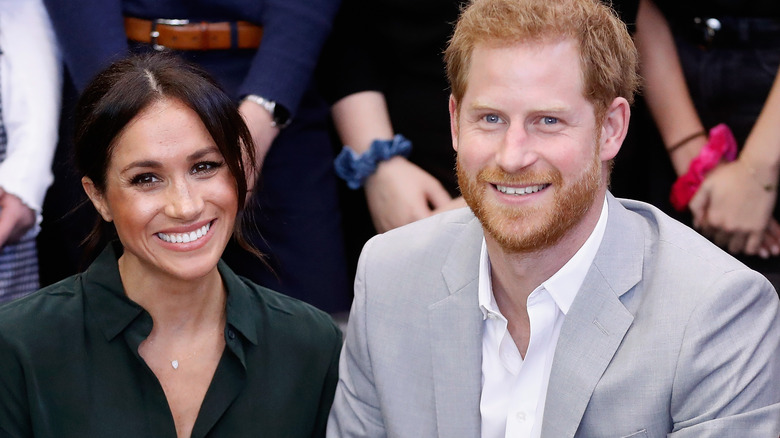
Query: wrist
{"x":720,"y":146}
{"x":766,"y":178}
{"x":356,"y":168}
{"x":280,"y":116}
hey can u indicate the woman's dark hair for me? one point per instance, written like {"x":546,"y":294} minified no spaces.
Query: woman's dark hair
{"x":127,"y":87}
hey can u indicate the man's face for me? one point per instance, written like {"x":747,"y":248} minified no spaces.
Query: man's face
{"x":530,"y":164}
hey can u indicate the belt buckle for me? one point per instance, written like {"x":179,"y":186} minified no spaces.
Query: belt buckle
{"x":154,"y":34}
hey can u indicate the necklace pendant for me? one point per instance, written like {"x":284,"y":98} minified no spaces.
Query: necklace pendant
{"x":175,"y":364}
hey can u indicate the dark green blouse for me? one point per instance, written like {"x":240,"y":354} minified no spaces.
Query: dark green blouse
{"x":69,"y":364}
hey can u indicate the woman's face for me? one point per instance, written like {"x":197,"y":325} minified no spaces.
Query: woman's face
{"x":169,"y":193}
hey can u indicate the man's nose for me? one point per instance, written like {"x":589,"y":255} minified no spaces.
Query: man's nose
{"x":516,"y":152}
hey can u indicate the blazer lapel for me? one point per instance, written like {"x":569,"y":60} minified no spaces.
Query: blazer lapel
{"x":595,"y":324}
{"x":456,"y":339}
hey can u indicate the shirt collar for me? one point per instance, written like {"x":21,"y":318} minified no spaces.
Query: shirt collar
{"x":115,"y":312}
{"x":563,"y":285}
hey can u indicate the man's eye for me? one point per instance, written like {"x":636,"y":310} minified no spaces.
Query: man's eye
{"x":492,"y":118}
{"x":549,"y":120}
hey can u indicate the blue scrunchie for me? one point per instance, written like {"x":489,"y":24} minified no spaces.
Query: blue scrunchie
{"x":355,"y":169}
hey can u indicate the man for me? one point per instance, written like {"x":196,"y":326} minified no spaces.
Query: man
{"x":558,"y":311}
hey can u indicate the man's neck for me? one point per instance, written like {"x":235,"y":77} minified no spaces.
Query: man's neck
{"x":514,"y":276}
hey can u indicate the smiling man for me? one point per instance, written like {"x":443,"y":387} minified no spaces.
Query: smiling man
{"x":550,"y":308}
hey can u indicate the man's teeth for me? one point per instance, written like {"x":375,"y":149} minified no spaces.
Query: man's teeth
{"x":520,"y":190}
{"x":185,"y":237}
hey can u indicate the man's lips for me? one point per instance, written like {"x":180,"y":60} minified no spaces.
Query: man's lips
{"x":527,"y":190}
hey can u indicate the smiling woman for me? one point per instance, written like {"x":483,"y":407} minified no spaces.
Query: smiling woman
{"x":158,"y":337}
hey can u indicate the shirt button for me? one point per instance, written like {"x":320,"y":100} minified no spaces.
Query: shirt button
{"x":492,"y":315}
{"x":520,"y":416}
{"x":231,"y":334}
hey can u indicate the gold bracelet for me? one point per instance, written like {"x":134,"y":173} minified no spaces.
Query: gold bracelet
{"x":767,"y":187}
{"x":682,"y":142}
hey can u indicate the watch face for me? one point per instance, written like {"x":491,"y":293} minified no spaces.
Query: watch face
{"x":281,"y":116}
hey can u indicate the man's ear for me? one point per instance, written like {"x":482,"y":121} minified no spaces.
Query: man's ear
{"x":97,"y":198}
{"x":614,"y":128}
{"x":454,"y":122}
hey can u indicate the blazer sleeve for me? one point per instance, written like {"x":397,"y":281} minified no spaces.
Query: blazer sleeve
{"x":726,"y":382}
{"x":90,"y":33}
{"x":350,"y":61}
{"x":294,"y":32}
{"x":356,"y":411}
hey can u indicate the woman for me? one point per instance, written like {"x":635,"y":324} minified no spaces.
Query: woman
{"x":158,"y":338}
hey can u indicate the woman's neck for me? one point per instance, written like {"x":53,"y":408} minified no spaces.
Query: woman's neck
{"x":177,"y":306}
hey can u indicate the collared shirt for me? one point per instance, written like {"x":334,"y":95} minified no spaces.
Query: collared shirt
{"x":69,"y":364}
{"x":31,"y":88}
{"x":514,"y":389}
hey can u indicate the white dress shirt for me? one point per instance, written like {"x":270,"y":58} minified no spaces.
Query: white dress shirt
{"x":31,"y":76}
{"x":514,"y":389}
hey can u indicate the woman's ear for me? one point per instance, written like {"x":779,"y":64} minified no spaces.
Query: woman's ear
{"x":96,"y":196}
{"x":614,"y":128}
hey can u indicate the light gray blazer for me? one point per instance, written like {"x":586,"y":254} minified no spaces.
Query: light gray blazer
{"x":668,"y":336}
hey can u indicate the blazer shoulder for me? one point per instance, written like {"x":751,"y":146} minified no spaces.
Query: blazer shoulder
{"x":427,"y":237}
{"x":679,"y":241}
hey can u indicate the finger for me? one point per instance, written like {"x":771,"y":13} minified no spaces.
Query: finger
{"x":753,"y":243}
{"x":698,"y":207}
{"x":770,"y":245}
{"x":438,"y":197}
{"x":721,"y":238}
{"x":738,"y":243}
{"x":6,"y":227}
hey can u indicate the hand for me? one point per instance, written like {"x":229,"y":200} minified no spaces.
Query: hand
{"x":259,"y":122}
{"x":770,"y":246}
{"x":15,"y":218}
{"x":400,"y":192}
{"x":451,"y":205}
{"x":733,"y":209}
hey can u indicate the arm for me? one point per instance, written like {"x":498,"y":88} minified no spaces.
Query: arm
{"x":729,"y":362}
{"x":15,"y":419}
{"x":329,"y":385}
{"x":399,"y":192}
{"x":294,"y":32}
{"x":355,"y":411}
{"x":91,"y":35}
{"x":665,"y":91}
{"x":31,"y":90}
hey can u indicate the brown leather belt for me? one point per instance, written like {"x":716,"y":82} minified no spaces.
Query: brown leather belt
{"x":183,"y":35}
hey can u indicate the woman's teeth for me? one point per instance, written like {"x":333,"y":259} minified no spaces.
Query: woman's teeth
{"x":185,"y":237}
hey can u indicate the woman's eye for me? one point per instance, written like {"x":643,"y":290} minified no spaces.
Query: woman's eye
{"x":549,"y":120}
{"x":144,"y":179}
{"x":206,"y":167}
{"x":492,"y":118}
